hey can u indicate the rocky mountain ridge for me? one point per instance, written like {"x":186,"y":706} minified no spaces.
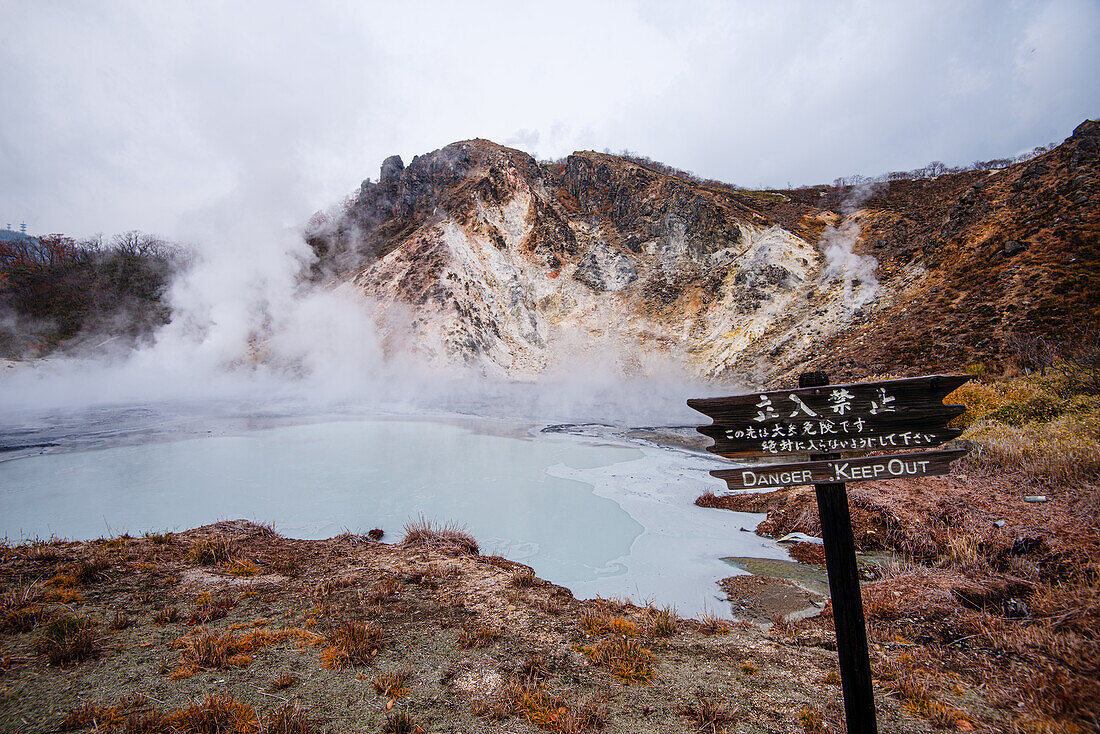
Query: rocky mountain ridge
{"x":482,"y":257}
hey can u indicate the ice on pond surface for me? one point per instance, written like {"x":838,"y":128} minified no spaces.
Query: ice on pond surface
{"x":599,"y":515}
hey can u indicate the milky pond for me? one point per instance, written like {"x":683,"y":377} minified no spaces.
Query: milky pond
{"x":586,"y":508}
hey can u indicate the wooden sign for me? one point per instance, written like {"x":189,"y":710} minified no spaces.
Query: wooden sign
{"x":826,"y":421}
{"x":893,"y":466}
{"x":852,"y":418}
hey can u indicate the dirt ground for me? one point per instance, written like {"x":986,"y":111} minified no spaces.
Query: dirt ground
{"x":484,"y":645}
{"x":991,"y":606}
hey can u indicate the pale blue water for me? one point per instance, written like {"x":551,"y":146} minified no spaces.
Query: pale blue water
{"x":597,"y":518}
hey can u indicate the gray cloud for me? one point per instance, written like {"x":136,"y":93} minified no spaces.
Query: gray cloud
{"x":169,"y":117}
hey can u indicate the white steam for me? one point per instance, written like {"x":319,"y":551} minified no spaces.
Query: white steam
{"x":855,"y":272}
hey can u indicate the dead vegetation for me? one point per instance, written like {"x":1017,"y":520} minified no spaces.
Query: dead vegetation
{"x":214,"y":714}
{"x":352,"y":642}
{"x":392,"y":685}
{"x":525,"y":695}
{"x":707,"y":716}
{"x":66,"y":640}
{"x":477,"y":635}
{"x":361,"y":616}
{"x":989,"y":590}
{"x":626,"y":658}
{"x":206,"y":649}
{"x":445,"y":537}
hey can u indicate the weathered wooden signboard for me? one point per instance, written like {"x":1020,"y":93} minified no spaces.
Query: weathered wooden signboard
{"x":861,"y":417}
{"x":826,"y":422}
{"x":892,"y":466}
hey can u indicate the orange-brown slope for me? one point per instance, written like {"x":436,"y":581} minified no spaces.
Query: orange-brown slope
{"x":1010,"y":252}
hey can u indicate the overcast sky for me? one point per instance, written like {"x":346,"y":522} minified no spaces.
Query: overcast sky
{"x":157,"y":115}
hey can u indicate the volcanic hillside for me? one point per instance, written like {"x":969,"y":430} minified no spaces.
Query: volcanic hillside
{"x":481,"y":256}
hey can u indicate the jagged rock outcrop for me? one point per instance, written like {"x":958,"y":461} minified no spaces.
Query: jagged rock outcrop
{"x":479,"y":255}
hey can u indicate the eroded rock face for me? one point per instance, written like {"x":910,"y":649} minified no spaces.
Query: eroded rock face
{"x":510,"y":266}
{"x":605,"y":269}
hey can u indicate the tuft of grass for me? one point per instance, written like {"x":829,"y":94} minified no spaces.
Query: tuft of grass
{"x":477,"y":636}
{"x":166,"y":615}
{"x":119,"y":622}
{"x":216,"y":713}
{"x":90,"y":715}
{"x":383,"y":588}
{"x":446,"y":537}
{"x":283,"y":680}
{"x":749,"y":667}
{"x":711,"y":624}
{"x":66,"y":640}
{"x":391,"y":685}
{"x":626,"y":658}
{"x":286,"y":566}
{"x":351,"y":643}
{"x":812,"y":721}
{"x":524,"y":578}
{"x":525,"y":696}
{"x":206,"y":608}
{"x":290,"y":718}
{"x":90,"y":570}
{"x":832,"y":678}
{"x":210,"y":551}
{"x":709,"y":717}
{"x":242,"y":567}
{"x":63,"y":581}
{"x":662,"y":622}
{"x":400,"y":722}
{"x":210,"y":649}
{"x":159,"y":538}
{"x":21,"y":610}
{"x":597,"y":623}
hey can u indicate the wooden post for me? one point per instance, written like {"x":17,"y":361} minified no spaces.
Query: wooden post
{"x":840,"y":562}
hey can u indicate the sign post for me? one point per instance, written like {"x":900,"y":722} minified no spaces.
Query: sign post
{"x":827,"y":421}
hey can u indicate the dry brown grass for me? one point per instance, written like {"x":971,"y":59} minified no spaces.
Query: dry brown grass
{"x":282,"y":681}
{"x":21,"y":609}
{"x":206,"y":608}
{"x":351,"y":643}
{"x":90,"y":715}
{"x":446,"y":537}
{"x":400,"y":722}
{"x":711,"y":624}
{"x":285,"y":565}
{"x":597,"y":623}
{"x":662,"y":622}
{"x":66,"y":640}
{"x":392,"y":685}
{"x":208,"y":649}
{"x":626,"y":658}
{"x":119,"y":622}
{"x":812,"y":721}
{"x":242,"y":567}
{"x":214,"y":714}
{"x":707,"y":716}
{"x":210,"y":551}
{"x":524,"y":578}
{"x":524,"y":695}
{"x":166,"y":615}
{"x":472,"y":635}
{"x":382,"y":589}
{"x":290,"y":718}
